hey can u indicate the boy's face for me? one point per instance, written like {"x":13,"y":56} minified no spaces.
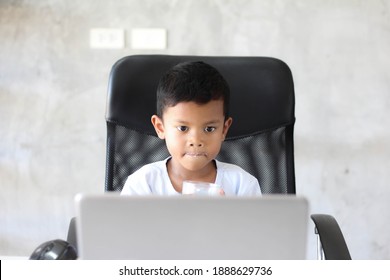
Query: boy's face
{"x":193,"y":134}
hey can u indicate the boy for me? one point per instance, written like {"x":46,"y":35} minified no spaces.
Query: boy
{"x":193,"y":119}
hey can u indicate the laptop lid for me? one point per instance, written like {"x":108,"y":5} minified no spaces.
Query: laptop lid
{"x":110,"y":226}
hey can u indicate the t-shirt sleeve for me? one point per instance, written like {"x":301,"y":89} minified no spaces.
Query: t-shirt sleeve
{"x":236,"y":181}
{"x":251,"y":187}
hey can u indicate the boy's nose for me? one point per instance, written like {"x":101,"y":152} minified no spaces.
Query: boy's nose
{"x":196,"y":144}
{"x":195,"y":140}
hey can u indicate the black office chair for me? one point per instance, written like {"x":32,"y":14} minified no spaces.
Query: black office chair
{"x":260,"y":139}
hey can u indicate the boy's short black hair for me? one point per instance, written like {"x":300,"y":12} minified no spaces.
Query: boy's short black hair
{"x":198,"y":82}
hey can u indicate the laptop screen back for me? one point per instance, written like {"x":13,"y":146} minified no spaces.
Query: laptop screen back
{"x":110,"y":226}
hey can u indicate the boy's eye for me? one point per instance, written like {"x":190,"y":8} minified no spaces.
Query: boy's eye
{"x":182,"y":128}
{"x":209,"y":128}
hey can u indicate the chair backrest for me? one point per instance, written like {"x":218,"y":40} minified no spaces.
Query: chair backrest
{"x":262,"y":107}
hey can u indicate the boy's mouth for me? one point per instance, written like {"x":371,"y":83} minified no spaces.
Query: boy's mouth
{"x":195,"y":154}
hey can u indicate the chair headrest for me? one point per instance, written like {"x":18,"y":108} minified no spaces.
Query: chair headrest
{"x":262,"y":91}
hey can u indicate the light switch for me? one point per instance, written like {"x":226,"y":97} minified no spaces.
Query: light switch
{"x":149,"y":38}
{"x":107,"y":38}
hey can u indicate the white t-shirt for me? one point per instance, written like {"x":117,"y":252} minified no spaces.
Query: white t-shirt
{"x":153,"y":179}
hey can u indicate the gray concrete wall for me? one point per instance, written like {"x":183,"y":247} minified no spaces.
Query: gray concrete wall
{"x":53,"y":94}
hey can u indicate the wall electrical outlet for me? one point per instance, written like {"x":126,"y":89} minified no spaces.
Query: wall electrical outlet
{"x":149,"y":38}
{"x":107,"y":38}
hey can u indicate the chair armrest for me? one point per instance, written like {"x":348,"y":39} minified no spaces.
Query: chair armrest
{"x":72,"y":238}
{"x":331,"y":237}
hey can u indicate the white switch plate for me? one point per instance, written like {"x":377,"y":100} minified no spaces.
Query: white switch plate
{"x":107,"y":38}
{"x":149,"y":38}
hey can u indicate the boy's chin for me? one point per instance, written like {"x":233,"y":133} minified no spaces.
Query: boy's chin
{"x":195,"y":164}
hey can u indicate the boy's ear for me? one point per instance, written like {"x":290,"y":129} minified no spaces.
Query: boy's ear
{"x":226,"y":127}
{"x":158,"y":126}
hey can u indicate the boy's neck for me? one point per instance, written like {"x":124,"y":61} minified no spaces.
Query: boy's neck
{"x":207,"y":174}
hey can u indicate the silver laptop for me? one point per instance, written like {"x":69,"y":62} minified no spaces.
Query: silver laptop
{"x":113,"y":227}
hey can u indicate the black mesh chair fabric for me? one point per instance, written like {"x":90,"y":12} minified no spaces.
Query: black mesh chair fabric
{"x":260,"y":139}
